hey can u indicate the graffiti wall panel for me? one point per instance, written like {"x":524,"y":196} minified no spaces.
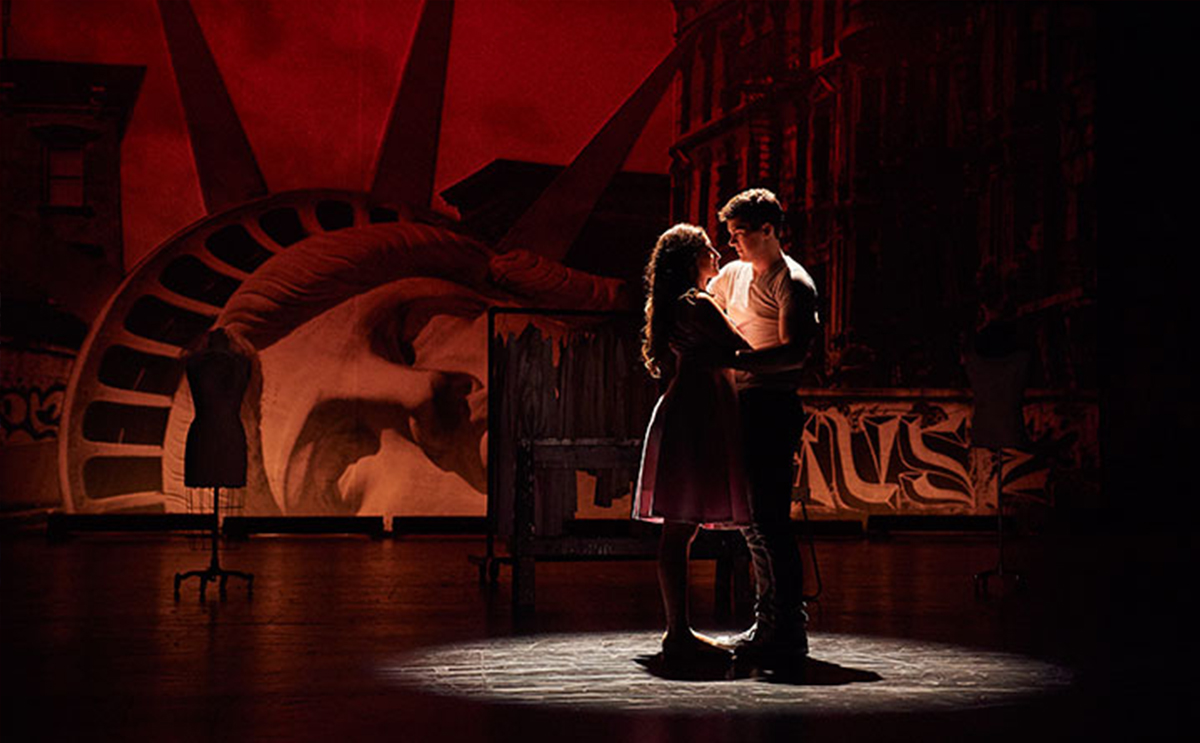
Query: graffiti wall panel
{"x":859,"y":457}
{"x":32,"y":386}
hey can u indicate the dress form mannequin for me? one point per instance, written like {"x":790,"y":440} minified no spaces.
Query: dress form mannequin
{"x":216,"y":442}
{"x":215,"y":454}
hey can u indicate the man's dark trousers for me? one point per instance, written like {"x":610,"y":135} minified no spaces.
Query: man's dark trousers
{"x":772,"y":421}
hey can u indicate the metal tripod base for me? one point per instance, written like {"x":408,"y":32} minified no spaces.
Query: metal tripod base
{"x":982,"y":578}
{"x":215,"y":574}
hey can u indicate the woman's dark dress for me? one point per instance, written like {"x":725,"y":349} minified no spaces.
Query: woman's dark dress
{"x":691,"y":469}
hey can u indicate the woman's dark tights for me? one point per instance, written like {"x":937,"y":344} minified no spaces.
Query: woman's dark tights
{"x":673,"y":552}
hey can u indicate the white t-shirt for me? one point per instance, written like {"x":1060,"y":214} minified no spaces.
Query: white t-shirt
{"x":755,"y":305}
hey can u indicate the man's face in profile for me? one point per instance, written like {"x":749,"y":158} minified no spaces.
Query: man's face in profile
{"x":746,"y":240}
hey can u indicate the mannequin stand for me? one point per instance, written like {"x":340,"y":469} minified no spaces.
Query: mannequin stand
{"x":214,"y":572}
{"x":982,"y":578}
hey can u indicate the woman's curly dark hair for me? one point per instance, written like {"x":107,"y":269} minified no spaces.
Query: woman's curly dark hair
{"x":670,"y":274}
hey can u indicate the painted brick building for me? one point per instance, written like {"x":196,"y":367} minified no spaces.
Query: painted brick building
{"x":61,"y":247}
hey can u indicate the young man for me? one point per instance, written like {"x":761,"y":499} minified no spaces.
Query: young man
{"x":772,"y":301}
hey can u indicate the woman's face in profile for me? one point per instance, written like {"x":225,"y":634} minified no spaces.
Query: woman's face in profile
{"x":707,"y":265}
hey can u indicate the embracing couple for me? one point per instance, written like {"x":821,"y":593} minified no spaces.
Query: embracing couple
{"x":719,"y":448}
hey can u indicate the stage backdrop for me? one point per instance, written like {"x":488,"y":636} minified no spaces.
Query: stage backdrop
{"x":365,"y":309}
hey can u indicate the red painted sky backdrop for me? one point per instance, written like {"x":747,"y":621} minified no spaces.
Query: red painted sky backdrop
{"x":313,"y":80}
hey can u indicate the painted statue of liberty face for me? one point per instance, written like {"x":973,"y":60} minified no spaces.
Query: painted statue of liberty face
{"x":372,"y":344}
{"x":369,"y":344}
{"x":372,"y":348}
{"x":379,"y":405}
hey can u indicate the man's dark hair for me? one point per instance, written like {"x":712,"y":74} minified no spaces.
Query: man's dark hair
{"x":755,"y":207}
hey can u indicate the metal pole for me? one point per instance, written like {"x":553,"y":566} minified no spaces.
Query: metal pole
{"x":999,"y":469}
{"x":216,"y":528}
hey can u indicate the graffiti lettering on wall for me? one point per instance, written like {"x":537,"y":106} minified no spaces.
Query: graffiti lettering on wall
{"x":913,"y":457}
{"x":31,"y":412}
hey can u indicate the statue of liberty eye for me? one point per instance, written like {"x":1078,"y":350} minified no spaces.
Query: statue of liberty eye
{"x":393,"y":329}
{"x":390,"y":340}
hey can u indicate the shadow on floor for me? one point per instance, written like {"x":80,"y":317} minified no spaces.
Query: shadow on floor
{"x":805,"y":672}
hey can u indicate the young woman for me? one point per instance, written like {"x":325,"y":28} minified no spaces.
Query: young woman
{"x":691,"y":471}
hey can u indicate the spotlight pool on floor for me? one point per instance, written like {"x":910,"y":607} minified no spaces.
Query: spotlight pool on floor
{"x":614,"y":671}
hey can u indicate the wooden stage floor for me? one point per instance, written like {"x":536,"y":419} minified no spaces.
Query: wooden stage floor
{"x":349,"y":639}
